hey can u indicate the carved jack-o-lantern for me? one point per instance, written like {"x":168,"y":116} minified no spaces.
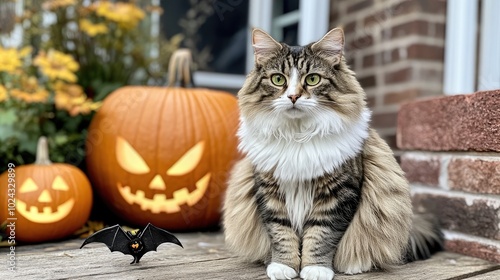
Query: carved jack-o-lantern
{"x":161,"y":155}
{"x":52,"y":200}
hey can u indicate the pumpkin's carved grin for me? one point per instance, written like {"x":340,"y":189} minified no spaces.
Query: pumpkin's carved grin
{"x":47,"y":216}
{"x":160,"y":203}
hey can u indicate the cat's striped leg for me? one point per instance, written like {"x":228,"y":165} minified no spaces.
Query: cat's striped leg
{"x":285,"y":244}
{"x":335,"y":205}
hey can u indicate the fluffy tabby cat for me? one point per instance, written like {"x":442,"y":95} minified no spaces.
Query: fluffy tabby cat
{"x":317,"y":189}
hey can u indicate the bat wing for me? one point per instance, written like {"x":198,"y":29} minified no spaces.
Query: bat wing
{"x":153,"y":236}
{"x":114,"y":237}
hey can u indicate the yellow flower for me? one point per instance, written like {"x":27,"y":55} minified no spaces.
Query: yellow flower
{"x":3,"y":93}
{"x":56,"y":4}
{"x":10,"y":60}
{"x":39,"y":96}
{"x":92,"y":29}
{"x":73,"y":90}
{"x":30,"y":91}
{"x":126,"y":15}
{"x":71,"y":98}
{"x":57,"y":65}
{"x":66,"y":95}
{"x":84,"y":108}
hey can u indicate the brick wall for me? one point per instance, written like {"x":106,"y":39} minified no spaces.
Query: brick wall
{"x":452,"y":161}
{"x":396,"y":47}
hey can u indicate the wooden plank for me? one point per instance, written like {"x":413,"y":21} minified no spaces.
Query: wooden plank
{"x":204,"y":257}
{"x":493,"y":275}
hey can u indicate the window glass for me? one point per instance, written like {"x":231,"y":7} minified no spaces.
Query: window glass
{"x":215,"y":31}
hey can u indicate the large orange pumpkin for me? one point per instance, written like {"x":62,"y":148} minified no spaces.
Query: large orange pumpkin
{"x":52,"y":200}
{"x":162,"y":154}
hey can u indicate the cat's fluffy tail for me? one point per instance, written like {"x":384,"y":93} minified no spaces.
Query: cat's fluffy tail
{"x":426,"y":238}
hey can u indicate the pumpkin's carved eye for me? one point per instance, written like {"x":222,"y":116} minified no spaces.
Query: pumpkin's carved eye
{"x":129,"y":159}
{"x":59,"y":184}
{"x":188,"y":161}
{"x":28,"y":186}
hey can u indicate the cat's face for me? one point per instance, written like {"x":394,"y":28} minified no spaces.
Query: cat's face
{"x":307,"y":85}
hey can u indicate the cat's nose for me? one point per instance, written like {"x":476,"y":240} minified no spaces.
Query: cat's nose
{"x":294,"y":97}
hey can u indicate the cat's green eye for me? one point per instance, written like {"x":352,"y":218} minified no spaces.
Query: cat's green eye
{"x":312,"y":79}
{"x":278,"y":79}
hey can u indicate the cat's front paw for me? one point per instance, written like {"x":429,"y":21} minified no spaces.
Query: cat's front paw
{"x":316,"y":272}
{"x":278,"y":271}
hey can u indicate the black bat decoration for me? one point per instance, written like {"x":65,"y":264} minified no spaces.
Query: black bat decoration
{"x":129,"y":243}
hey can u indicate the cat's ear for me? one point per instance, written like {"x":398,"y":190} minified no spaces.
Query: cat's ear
{"x":331,"y":45}
{"x":263,"y":45}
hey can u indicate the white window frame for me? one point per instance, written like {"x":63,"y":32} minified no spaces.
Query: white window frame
{"x":313,"y":24}
{"x":461,"y":47}
{"x":489,"y":47}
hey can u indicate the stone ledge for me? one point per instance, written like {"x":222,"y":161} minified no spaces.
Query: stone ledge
{"x":451,"y":123}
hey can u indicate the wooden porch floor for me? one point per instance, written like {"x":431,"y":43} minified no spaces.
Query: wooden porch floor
{"x":204,"y":257}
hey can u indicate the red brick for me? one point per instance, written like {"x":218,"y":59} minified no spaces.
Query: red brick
{"x":399,"y":97}
{"x":426,"y":52}
{"x":369,"y":60}
{"x":433,"y":6}
{"x":375,"y":19}
{"x":398,"y":76}
{"x":359,"y":6}
{"x":410,"y":6}
{"x":350,"y":27}
{"x":368,"y":81}
{"x":390,"y":56}
{"x":474,"y":175}
{"x":370,"y":101}
{"x":458,"y":122}
{"x":384,"y":120}
{"x":423,"y":169}
{"x":417,"y":27}
{"x":360,"y":42}
{"x":474,"y":249}
{"x":439,"y":30}
{"x":403,"y":8}
{"x":478,"y":218}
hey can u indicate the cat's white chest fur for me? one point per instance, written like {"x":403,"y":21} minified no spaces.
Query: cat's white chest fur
{"x":299,"y":198}
{"x":298,"y":156}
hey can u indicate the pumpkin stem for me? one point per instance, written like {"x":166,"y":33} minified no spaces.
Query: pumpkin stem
{"x":179,"y":69}
{"x":42,"y":152}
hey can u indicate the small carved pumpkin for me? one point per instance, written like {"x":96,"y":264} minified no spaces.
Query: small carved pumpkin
{"x":161,"y":155}
{"x":52,"y":200}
